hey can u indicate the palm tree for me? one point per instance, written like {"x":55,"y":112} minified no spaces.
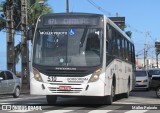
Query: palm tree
{"x":34,"y":11}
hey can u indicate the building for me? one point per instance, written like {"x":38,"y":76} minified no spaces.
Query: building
{"x":151,"y":63}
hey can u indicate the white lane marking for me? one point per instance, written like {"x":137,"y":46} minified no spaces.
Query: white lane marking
{"x":59,"y":111}
{"x":66,"y":109}
{"x":136,"y":111}
{"x":100,"y":111}
{"x":21,"y":98}
{"x":125,"y":103}
{"x":20,"y":111}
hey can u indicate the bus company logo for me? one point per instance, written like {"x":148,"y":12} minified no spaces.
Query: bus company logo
{"x":81,"y":80}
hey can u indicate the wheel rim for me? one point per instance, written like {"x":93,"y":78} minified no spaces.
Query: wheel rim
{"x":128,"y":89}
{"x":113,"y":91}
{"x":158,"y":92}
{"x":17,"y":92}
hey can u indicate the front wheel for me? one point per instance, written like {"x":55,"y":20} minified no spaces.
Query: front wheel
{"x":51,"y":99}
{"x":16,"y":92}
{"x":109,"y":99}
{"x":158,"y":92}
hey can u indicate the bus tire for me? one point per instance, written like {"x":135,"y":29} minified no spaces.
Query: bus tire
{"x":158,"y":92}
{"x":126,"y":95}
{"x":51,"y":99}
{"x":109,"y":99}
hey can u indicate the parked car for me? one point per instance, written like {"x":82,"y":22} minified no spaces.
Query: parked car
{"x":142,"y":79}
{"x":155,"y":84}
{"x":9,"y":83}
{"x":154,"y":71}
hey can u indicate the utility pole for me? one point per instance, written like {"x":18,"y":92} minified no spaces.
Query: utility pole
{"x":10,"y":37}
{"x":67,"y":6}
{"x":146,"y":52}
{"x":157,"y":45}
{"x":24,"y":42}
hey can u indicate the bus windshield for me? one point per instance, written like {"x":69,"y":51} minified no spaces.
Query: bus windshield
{"x":68,"y":47}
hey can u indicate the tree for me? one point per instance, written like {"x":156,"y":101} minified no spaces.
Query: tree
{"x":34,"y":11}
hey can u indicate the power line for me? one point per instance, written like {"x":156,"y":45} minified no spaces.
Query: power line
{"x":99,"y":7}
{"x":110,"y":14}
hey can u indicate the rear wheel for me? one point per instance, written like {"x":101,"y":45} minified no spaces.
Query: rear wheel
{"x":16,"y":92}
{"x":51,"y":99}
{"x":158,"y":92}
{"x":126,"y":95}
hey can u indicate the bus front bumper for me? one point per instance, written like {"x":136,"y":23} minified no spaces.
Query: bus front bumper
{"x":65,"y":89}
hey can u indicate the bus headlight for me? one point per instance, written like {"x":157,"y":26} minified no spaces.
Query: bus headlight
{"x":37,"y":75}
{"x":95,"y":76}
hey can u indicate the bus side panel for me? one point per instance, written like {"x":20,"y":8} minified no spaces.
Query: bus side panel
{"x":122,"y":71}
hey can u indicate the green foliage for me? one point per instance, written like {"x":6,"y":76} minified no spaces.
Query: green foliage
{"x":17,"y":51}
{"x":34,"y":11}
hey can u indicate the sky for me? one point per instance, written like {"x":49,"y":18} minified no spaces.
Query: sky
{"x":142,"y":17}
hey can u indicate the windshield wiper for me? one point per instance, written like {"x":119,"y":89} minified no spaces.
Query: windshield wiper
{"x":83,"y":37}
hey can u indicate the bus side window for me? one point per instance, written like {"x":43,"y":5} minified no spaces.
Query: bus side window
{"x":107,"y":47}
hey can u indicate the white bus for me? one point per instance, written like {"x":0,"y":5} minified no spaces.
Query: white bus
{"x":79,"y":54}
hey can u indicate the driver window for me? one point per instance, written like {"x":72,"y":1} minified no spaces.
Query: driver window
{"x":9,"y":75}
{"x":93,"y":43}
{"x":2,"y":74}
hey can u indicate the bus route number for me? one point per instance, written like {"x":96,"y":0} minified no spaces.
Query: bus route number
{"x":52,"y":78}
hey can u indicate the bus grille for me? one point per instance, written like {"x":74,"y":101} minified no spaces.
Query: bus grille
{"x":73,"y":90}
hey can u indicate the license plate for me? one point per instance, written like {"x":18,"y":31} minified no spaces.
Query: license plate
{"x":67,"y":88}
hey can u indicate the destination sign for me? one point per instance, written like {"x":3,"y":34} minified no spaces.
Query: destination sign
{"x":70,"y":21}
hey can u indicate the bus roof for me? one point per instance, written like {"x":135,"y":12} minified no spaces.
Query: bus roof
{"x":76,"y":14}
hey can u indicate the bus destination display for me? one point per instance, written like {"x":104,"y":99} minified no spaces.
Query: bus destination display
{"x":70,"y":21}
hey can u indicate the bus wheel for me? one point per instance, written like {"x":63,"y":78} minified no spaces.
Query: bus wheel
{"x":51,"y":99}
{"x":126,"y":95}
{"x":109,"y":99}
{"x":158,"y":92}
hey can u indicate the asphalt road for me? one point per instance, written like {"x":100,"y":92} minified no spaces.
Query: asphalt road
{"x":138,"y":102}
